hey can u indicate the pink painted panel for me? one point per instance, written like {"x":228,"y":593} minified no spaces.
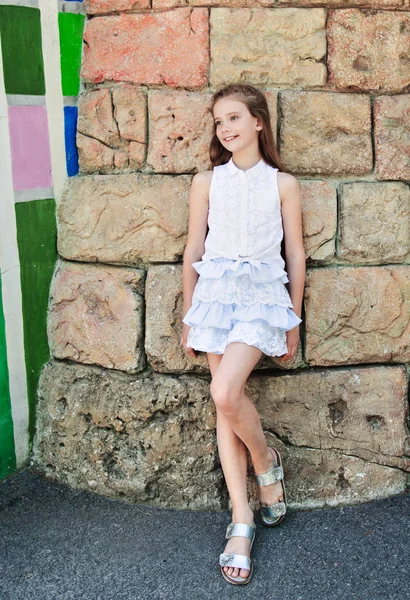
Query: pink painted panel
{"x":30,"y":147}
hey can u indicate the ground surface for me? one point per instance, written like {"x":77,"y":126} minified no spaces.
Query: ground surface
{"x":60,"y":544}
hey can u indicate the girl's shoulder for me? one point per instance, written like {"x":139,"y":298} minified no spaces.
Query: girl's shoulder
{"x":202,"y":180}
{"x":287,"y":185}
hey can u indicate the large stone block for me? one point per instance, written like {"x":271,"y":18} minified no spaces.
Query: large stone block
{"x":357,"y":314}
{"x":375,"y":222}
{"x":358,"y":39}
{"x":124,"y":219}
{"x":164,"y":313}
{"x":169,"y":48}
{"x":180,"y":130}
{"x":326,"y":133}
{"x":106,"y":6}
{"x":111,"y":129}
{"x":145,"y":439}
{"x":384,"y":4}
{"x":392,"y":137}
{"x":96,"y":315}
{"x":268,"y":47}
{"x":319,"y":207}
{"x":151,"y":438}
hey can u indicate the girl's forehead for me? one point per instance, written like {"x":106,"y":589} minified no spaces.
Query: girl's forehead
{"x":226,"y":105}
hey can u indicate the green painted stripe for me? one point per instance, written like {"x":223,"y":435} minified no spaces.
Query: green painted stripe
{"x":20,"y":31}
{"x":37,"y":244}
{"x":71,"y":42}
{"x":7,"y":451}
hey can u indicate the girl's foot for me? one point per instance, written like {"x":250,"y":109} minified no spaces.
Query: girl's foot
{"x":239,"y":544}
{"x":273,"y":493}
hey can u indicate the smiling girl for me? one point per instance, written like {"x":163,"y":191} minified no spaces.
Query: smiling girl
{"x":236,"y":304}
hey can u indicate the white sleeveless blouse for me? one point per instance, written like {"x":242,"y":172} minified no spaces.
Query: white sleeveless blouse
{"x":244,"y":215}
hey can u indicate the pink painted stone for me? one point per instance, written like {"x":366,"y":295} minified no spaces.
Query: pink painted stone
{"x":94,"y":7}
{"x":30,"y":147}
{"x":170,"y":48}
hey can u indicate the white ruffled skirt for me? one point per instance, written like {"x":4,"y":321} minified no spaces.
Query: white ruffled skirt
{"x":240,"y":302}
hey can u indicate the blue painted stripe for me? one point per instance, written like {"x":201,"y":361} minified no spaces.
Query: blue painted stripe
{"x":70,"y":128}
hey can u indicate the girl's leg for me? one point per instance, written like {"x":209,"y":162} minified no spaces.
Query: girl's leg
{"x":237,"y":415}
{"x":233,"y":456}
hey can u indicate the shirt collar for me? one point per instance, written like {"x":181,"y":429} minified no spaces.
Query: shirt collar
{"x":232,"y":168}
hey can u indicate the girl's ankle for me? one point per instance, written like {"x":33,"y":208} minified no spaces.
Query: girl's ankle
{"x":244,"y":515}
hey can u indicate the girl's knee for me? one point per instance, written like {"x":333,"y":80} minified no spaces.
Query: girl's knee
{"x":225,"y":396}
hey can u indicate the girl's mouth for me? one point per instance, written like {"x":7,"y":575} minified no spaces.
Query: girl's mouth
{"x":230,"y":138}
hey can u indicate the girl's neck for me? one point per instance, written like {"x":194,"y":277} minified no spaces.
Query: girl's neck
{"x":246,"y":162}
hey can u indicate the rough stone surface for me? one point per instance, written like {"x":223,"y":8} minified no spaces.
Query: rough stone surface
{"x":326,"y":133}
{"x":268,"y":47}
{"x":146,"y":439}
{"x":168,"y":48}
{"x":151,"y":438}
{"x":375,"y":222}
{"x":357,"y":314}
{"x":319,"y":207}
{"x":369,"y":50}
{"x":106,"y":6}
{"x":392,"y":137}
{"x":164,"y":313}
{"x":96,"y":315}
{"x":124,"y":219}
{"x":180,"y":130}
{"x":109,"y":121}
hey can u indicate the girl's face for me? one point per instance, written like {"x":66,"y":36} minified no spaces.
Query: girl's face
{"x":235,"y":127}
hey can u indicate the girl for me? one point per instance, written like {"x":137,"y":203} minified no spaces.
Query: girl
{"x":238,"y":308}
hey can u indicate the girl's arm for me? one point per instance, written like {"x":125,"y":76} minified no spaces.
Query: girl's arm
{"x":291,"y":199}
{"x":197,"y":226}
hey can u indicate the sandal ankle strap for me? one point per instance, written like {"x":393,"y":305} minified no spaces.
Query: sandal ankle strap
{"x":240,"y":529}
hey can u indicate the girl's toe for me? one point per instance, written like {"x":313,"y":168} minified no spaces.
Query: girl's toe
{"x":244,"y":573}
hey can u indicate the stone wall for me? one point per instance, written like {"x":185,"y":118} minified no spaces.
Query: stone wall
{"x":122,"y":409}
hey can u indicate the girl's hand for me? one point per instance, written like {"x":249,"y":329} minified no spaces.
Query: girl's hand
{"x":184,"y":339}
{"x":292,"y":342}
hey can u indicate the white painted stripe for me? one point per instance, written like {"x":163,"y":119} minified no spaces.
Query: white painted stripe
{"x":71,"y":7}
{"x":23,"y":100}
{"x":29,"y":3}
{"x":34,"y":194}
{"x":11,"y":288}
{"x":54,"y":95}
{"x":70,"y":100}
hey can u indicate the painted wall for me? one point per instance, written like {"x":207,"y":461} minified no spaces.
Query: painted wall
{"x":38,"y":117}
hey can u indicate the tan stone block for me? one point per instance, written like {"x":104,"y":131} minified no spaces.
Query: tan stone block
{"x":180,"y":130}
{"x":357,"y":39}
{"x":357,"y":314}
{"x":169,"y":48}
{"x":319,"y":210}
{"x":268,"y":46}
{"x":124,"y":219}
{"x":96,"y":316}
{"x":108,"y":122}
{"x":340,"y":3}
{"x":357,"y":411}
{"x":94,"y":156}
{"x":95,"y":118}
{"x":147,"y":438}
{"x":106,"y":6}
{"x":130,"y":113}
{"x":375,"y":222}
{"x":392,"y":137}
{"x":326,"y":133}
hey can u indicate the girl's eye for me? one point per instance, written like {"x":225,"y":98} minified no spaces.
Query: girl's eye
{"x":234,"y":117}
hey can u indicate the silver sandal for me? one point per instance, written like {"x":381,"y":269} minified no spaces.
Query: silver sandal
{"x":240,"y":561}
{"x":273,"y":514}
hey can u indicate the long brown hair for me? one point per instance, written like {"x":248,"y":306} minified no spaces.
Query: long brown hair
{"x":256,"y":103}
